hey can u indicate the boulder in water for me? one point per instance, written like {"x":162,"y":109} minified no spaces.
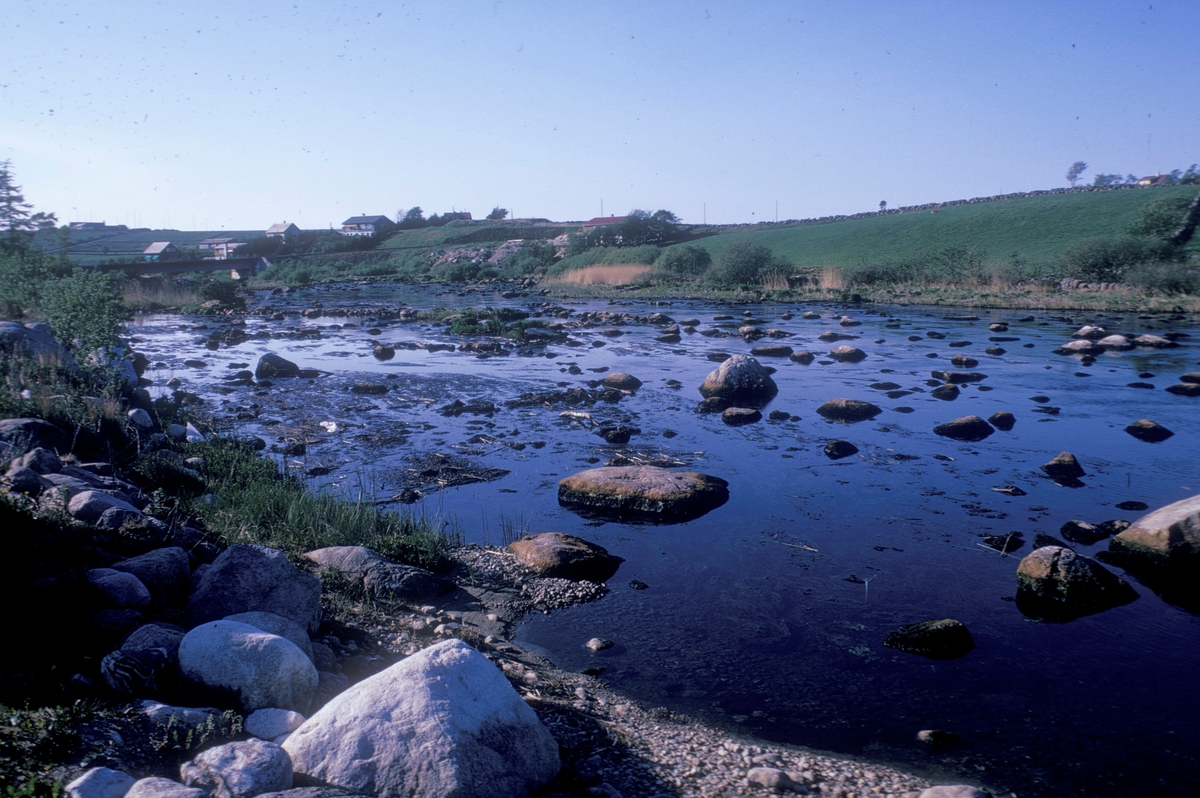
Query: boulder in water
{"x":740,"y":379}
{"x":643,"y":490}
{"x":848,"y":410}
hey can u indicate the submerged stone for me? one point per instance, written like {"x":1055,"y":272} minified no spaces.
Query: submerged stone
{"x":944,"y":639}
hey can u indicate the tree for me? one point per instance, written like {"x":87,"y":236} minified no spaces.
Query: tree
{"x":1076,"y":170}
{"x":1102,"y":180}
{"x":882,"y":206}
{"x":16,"y":221}
{"x":497,"y":214}
{"x":413,"y":219}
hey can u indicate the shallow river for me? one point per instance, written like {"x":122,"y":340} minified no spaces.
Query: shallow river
{"x":767,"y":615}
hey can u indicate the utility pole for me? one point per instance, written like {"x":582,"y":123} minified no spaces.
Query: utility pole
{"x":776,"y":211}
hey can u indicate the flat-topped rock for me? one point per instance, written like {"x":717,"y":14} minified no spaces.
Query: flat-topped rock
{"x":772,"y":350}
{"x":958,"y":377}
{"x":1168,"y":535}
{"x":643,"y":490}
{"x":564,"y":556}
{"x":967,"y":428}
{"x":849,"y":410}
{"x":1154,"y":342}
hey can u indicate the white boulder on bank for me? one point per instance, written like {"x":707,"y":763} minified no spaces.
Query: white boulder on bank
{"x":239,"y":770}
{"x":100,"y":783}
{"x":263,"y":669}
{"x":443,"y":722}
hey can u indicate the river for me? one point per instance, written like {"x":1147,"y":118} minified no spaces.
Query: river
{"x":767,"y":614}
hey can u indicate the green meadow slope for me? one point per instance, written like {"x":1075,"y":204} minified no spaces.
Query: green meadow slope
{"x":1037,"y":229}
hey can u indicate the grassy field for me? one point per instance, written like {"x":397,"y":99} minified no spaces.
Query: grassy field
{"x":88,"y":248}
{"x":1036,"y":229}
{"x":474,"y":234}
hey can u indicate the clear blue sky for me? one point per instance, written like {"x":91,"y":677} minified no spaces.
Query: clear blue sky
{"x":236,"y":115}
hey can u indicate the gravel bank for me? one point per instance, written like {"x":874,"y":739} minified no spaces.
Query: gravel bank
{"x":612,"y":747}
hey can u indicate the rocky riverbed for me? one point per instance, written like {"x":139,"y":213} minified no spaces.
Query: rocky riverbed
{"x":769,"y":615}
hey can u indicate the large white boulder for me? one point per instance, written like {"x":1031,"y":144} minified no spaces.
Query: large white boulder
{"x":100,"y":783}
{"x":443,"y":722}
{"x":276,"y":625}
{"x":1167,"y":535}
{"x":239,"y":770}
{"x":265,"y":670}
{"x":155,"y":787}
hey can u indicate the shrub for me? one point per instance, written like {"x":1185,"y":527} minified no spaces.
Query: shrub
{"x":687,"y":261}
{"x":21,"y":279}
{"x":1169,"y":278}
{"x":84,"y":307}
{"x":1106,"y":259}
{"x":744,"y":263}
{"x":1160,"y":218}
{"x":530,"y":260}
{"x":864,"y":274}
{"x":225,"y":291}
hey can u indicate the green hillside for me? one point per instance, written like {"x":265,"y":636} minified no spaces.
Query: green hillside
{"x":474,"y":233}
{"x":1037,"y":229}
{"x":88,"y":248}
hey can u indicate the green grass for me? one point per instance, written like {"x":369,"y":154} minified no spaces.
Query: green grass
{"x":472,"y":234}
{"x":1036,"y":229}
{"x":259,"y":504}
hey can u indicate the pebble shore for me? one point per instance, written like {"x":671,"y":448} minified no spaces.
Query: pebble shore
{"x":613,"y":747}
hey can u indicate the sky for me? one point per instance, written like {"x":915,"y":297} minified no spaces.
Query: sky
{"x":238,"y":115}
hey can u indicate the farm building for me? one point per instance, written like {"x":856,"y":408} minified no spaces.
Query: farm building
{"x":288,"y":232}
{"x":159,"y":249}
{"x":602,"y":221}
{"x":366,"y":225}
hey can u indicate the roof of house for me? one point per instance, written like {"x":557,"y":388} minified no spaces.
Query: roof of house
{"x":600,"y":221}
{"x":282,"y":227}
{"x":158,"y":247}
{"x":367,"y":220}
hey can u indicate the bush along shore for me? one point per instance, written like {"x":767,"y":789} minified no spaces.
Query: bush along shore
{"x":194,"y":622}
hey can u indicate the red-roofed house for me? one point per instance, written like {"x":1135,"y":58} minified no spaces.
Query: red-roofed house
{"x":602,"y":221}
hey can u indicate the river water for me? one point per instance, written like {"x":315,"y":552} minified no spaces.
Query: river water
{"x":766,"y":616}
